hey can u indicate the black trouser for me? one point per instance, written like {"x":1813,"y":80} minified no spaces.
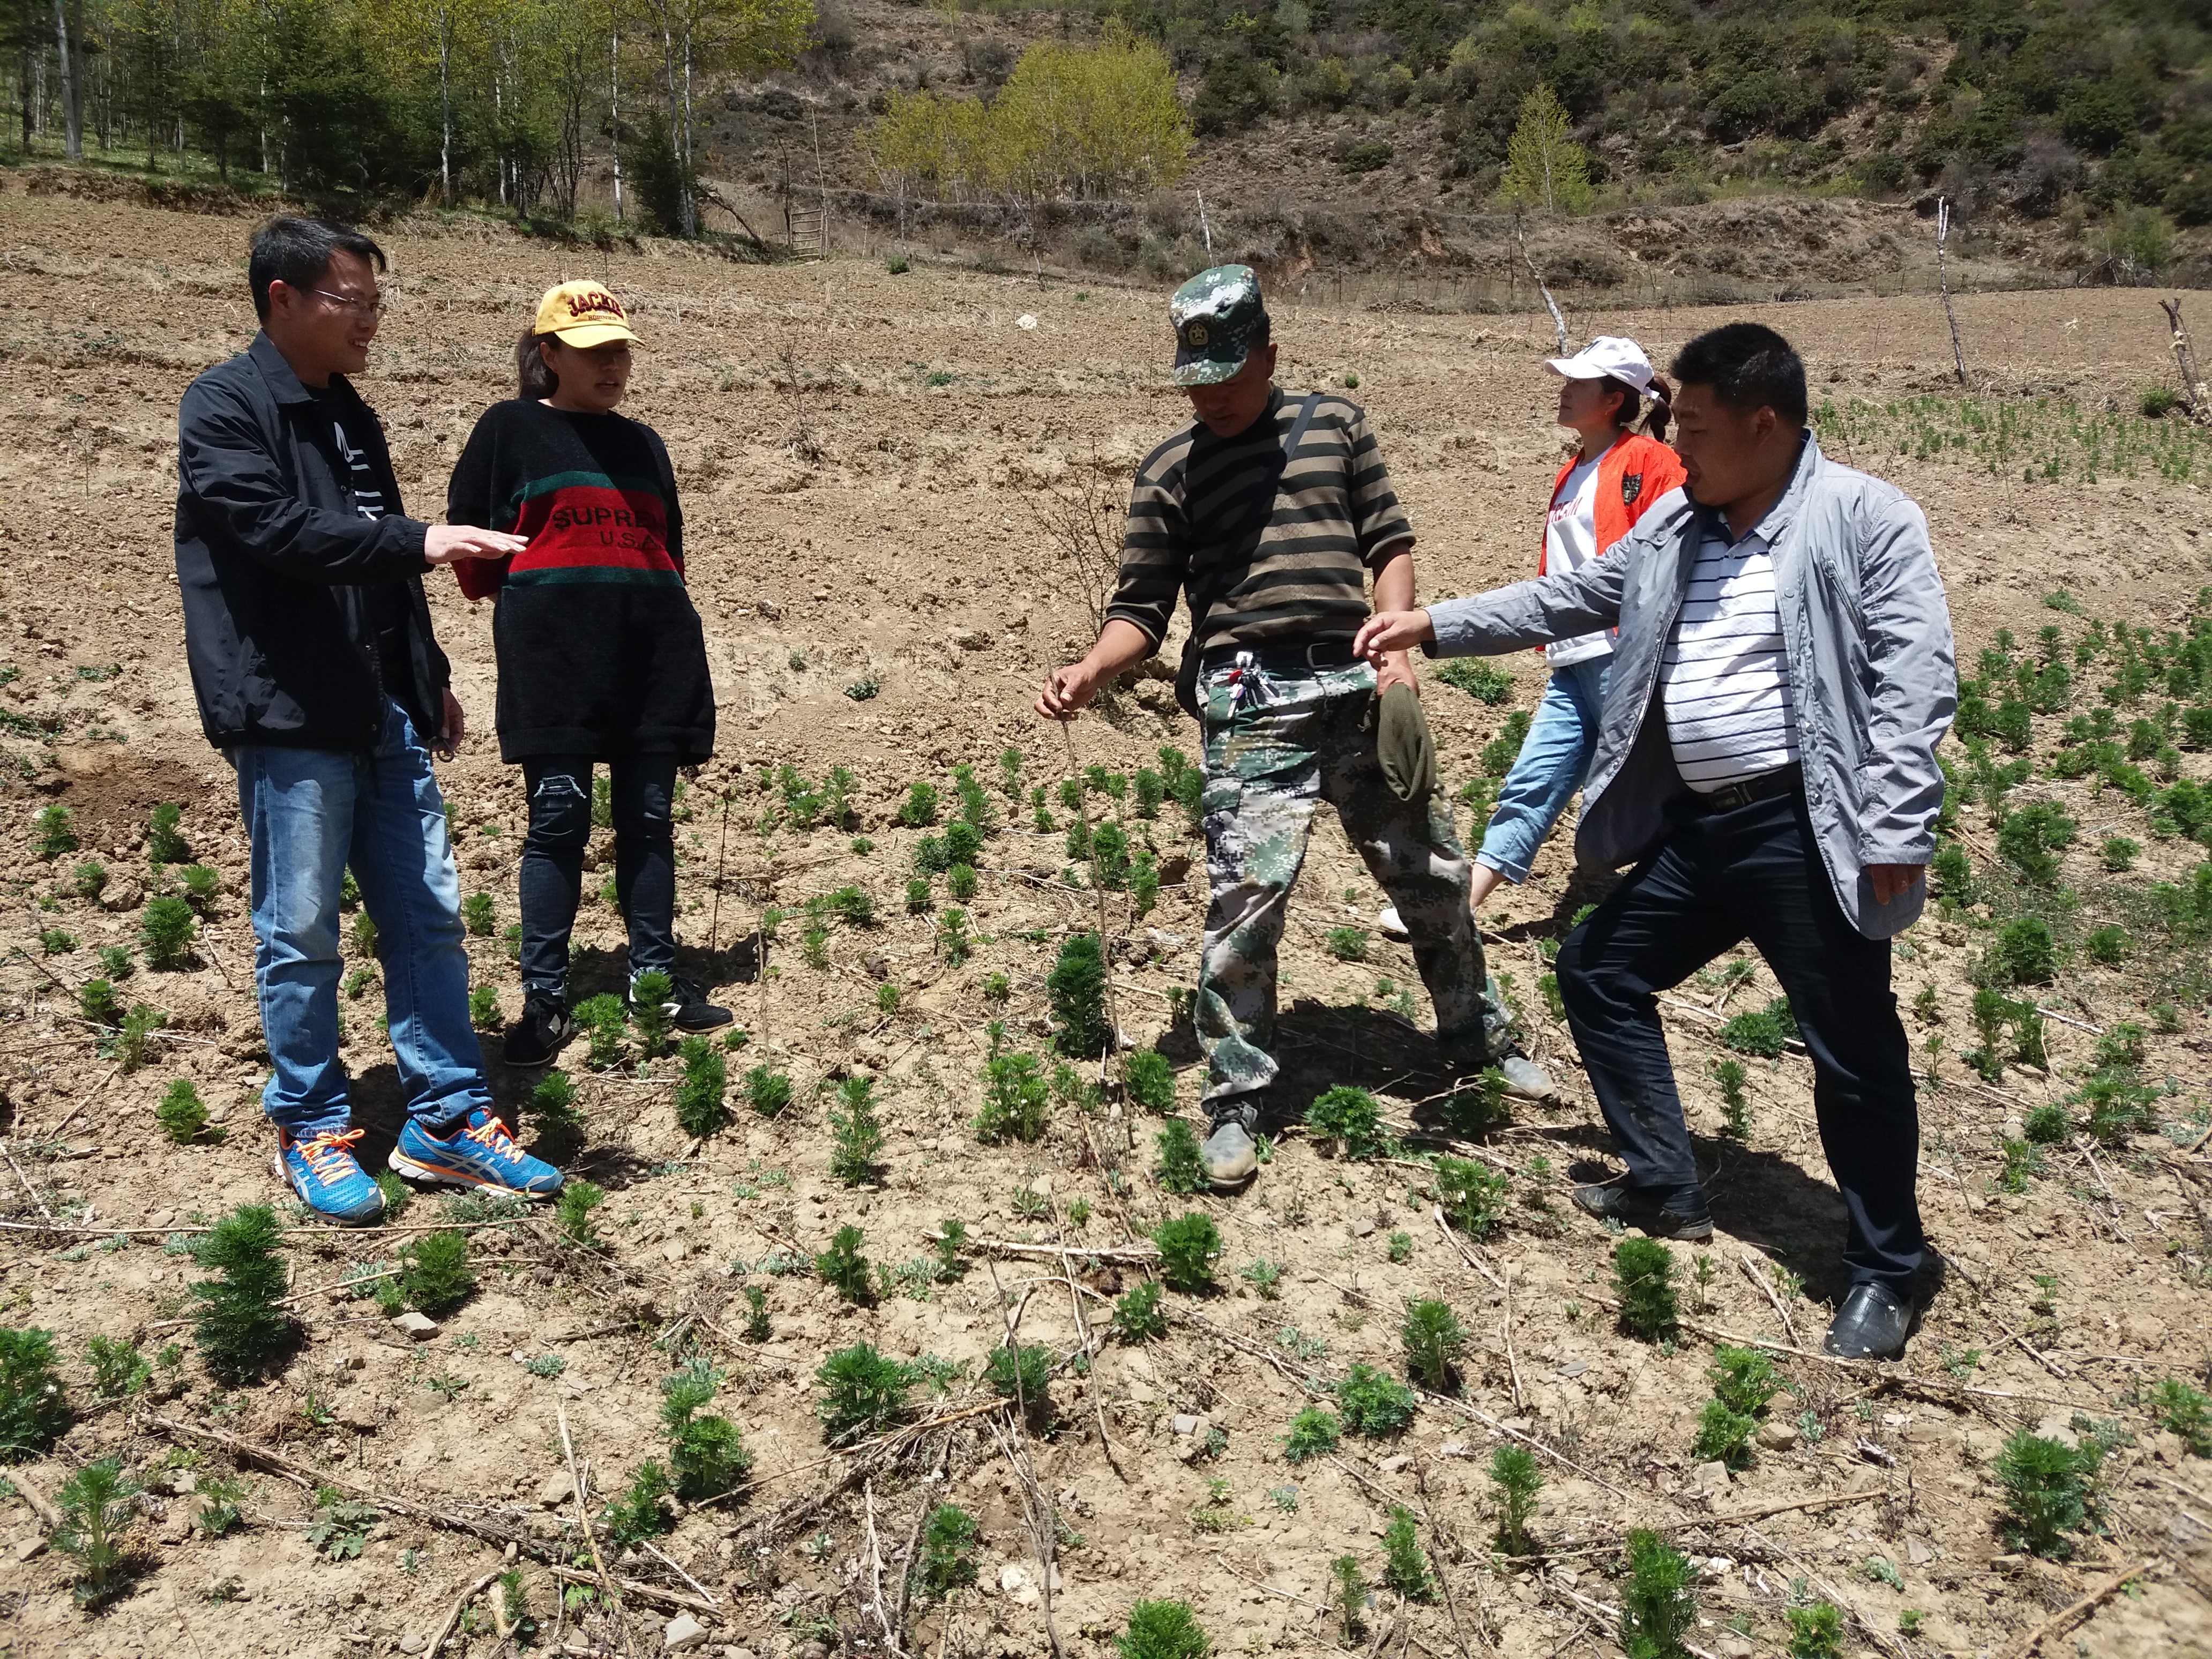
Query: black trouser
{"x":643,"y":787}
{"x":1753,"y":873}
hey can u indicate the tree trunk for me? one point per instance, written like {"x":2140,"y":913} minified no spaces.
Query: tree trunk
{"x":444,"y":114}
{"x":688,"y":194}
{"x":72,"y":117}
{"x":614,"y":106}
{"x":23,"y":91}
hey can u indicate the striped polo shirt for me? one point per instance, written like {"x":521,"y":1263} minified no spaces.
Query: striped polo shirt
{"x":1725,"y":678}
{"x":1288,"y":543}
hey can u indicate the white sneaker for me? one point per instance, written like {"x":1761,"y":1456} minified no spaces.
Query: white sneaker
{"x":1392,"y":925}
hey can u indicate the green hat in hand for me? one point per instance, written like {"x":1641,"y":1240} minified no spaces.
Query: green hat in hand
{"x":1217,"y":317}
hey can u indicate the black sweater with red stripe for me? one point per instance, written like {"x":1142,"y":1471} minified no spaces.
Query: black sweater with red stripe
{"x":600,"y":651}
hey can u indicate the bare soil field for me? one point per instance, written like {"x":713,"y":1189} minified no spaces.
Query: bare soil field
{"x":879,"y":473}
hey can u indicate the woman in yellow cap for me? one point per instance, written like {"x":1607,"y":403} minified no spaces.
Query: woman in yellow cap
{"x":601,"y":656}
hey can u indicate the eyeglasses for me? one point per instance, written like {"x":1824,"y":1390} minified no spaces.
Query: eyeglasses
{"x":359,"y":307}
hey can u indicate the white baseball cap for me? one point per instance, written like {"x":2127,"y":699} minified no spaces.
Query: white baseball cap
{"x":1609,"y":355}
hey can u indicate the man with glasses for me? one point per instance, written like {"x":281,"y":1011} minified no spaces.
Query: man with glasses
{"x":318,"y":678}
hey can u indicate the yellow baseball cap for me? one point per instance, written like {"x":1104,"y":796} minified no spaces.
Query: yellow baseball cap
{"x":582,"y":315}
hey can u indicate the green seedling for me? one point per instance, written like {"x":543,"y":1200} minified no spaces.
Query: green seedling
{"x":240,"y":1329}
{"x":919,"y":808}
{"x":1022,"y":1374}
{"x":1816,"y":1631}
{"x":1406,"y":1567}
{"x":947,"y":1562}
{"x":96,"y":1506}
{"x":1348,"y":944}
{"x":918,"y":900}
{"x":706,"y":1453}
{"x":1735,"y":1105}
{"x":2048,"y":1489}
{"x":1163,"y":1629}
{"x":605,"y":1022}
{"x":1658,"y":1609}
{"x":1765,"y":1032}
{"x":1724,"y":1435}
{"x":1374,"y":1405}
{"x":1644,"y":1281}
{"x":572,"y":1211}
{"x":1434,"y":1340}
{"x":862,"y":1394}
{"x":1743,"y":1379}
{"x":119,"y":1370}
{"x":757,"y":1323}
{"x":1350,"y":1118}
{"x":483,"y":1008}
{"x":768,"y":1091}
{"x":699,"y":1093}
{"x":1189,"y":1246}
{"x":479,"y":915}
{"x":1077,"y":989}
{"x":954,"y":943}
{"x":340,"y":1528}
{"x":1263,"y":1276}
{"x":435,"y":1275}
{"x":1471,"y":1195}
{"x":844,"y":1269}
{"x":559,"y":1119}
{"x":1313,"y":1432}
{"x":33,"y":1410}
{"x":1017,"y":1101}
{"x":1348,"y":1595}
{"x":1137,"y":1315}
{"x":638,"y":1514}
{"x":649,"y":996}
{"x":1518,"y":1482}
{"x":1473,"y":1113}
{"x":181,"y":1114}
{"x":859,"y":1132}
{"x":55,"y":837}
{"x":2183,"y":1410}
{"x":1181,"y":1170}
{"x":952,"y":1236}
{"x":98,"y":1005}
{"x":167,"y":928}
{"x":1149,"y":1076}
{"x":165,"y":842}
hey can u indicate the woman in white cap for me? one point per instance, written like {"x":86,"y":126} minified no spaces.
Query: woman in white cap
{"x":1611,"y":481}
{"x":601,"y":655}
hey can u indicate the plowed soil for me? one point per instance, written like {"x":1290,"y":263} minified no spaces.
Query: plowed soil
{"x":878,"y":469}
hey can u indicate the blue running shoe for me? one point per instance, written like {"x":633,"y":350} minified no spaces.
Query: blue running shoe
{"x":323,"y":1170}
{"x":480,"y":1153}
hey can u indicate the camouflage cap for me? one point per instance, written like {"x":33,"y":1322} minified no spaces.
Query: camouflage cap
{"x":1215,"y":314}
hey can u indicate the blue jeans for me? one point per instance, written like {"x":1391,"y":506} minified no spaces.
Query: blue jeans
{"x":1754,"y":872}
{"x":1553,"y":759}
{"x":310,"y":813}
{"x":643,"y":792}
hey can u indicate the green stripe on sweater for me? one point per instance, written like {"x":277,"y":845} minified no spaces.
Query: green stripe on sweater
{"x":557,"y":481}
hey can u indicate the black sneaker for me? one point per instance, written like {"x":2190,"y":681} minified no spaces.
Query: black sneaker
{"x":545,"y":1028}
{"x":687,"y":1007}
{"x":1616,"y":1200}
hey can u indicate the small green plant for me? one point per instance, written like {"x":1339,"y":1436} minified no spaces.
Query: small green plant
{"x":201,"y":885}
{"x":1736,"y":1106}
{"x":1348,"y":944}
{"x":859,"y":1132}
{"x":2120,"y":854}
{"x":1724,"y":1435}
{"x":559,"y":1119}
{"x":56,"y":838}
{"x":340,"y":1528}
{"x":241,"y":1328}
{"x":2050,"y":1490}
{"x":181,"y":1114}
{"x":2048,"y":1124}
{"x":1434,"y":1340}
{"x":1472,"y":1195}
{"x":1137,"y":1315}
{"x":1400,"y":1248}
{"x":605,"y":1024}
{"x":167,"y":928}
{"x":1163,"y":1629}
{"x":648,"y":1009}
{"x":1017,"y":1100}
{"x":699,"y":1093}
{"x":1406,"y":1567}
{"x":1743,"y":1379}
{"x":1483,"y":681}
{"x":98,"y":1005}
{"x":1348,"y":1595}
{"x":2024,"y":952}
{"x":1181,"y":1170}
{"x":1262,"y":1275}
{"x":1312,"y":1432}
{"x":1910,"y":1619}
{"x":954,"y":942}
{"x":1518,"y":1482}
{"x":1352,"y":1119}
{"x":1657,"y":1608}
{"x":134,"y":1038}
{"x":119,"y":1370}
{"x":706,"y":1453}
{"x":1816,"y":1631}
{"x":948,"y":1551}
{"x":483,"y":1008}
{"x":1765,"y":1032}
{"x":1149,"y":1076}
{"x":2108,"y":945}
{"x":572,"y":1211}
{"x":96,"y":1506}
{"x":1643,"y":1281}
{"x":479,"y":915}
{"x":638,"y":1514}
{"x":918,"y":900}
{"x":768,"y":1091}
{"x":863,"y":1393}
{"x":435,"y":1275}
{"x":1077,"y":989}
{"x":757,"y":1323}
{"x":1374,"y":1405}
{"x":844,"y":1269}
{"x":33,"y":1410}
{"x":56,"y":941}
{"x":2183,"y":1410}
{"x":1022,"y":1374}
{"x":951,"y":1235}
{"x":165,"y":842}
{"x":919,"y":809}
{"x":1189,"y":1246}
{"x":219,"y":1509}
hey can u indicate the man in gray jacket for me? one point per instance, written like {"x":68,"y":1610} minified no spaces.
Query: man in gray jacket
{"x":1766,"y":760}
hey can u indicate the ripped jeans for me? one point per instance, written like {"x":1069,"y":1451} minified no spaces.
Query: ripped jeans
{"x":642,"y":788}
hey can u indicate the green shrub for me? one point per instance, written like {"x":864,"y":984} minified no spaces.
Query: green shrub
{"x":1514,"y":1473}
{"x":1434,"y":1340}
{"x":559,"y":1120}
{"x":960,"y":882}
{"x":947,"y":1562}
{"x":1077,"y":989}
{"x":1352,"y":1119}
{"x":637,"y":1515}
{"x":2048,"y":1124}
{"x":1502,"y":751}
{"x":1815,"y":1631}
{"x":572,"y":1211}
{"x":435,"y":1275}
{"x":1472,"y":1196}
{"x":1374,"y":1405}
{"x":97,"y":1003}
{"x":1953,"y":872}
{"x":699,"y":1093}
{"x":1657,"y":1608}
{"x":1348,"y":1595}
{"x":2185,"y":1410}
{"x":97,"y":1504}
{"x":707,"y":1453}
{"x":1163,"y":1629}
{"x":919,"y":809}
{"x":768,"y":1091}
{"x":33,"y":1410}
{"x":164,"y":843}
{"x":953,"y":943}
{"x":2024,"y":952}
{"x":1735,"y":1105}
{"x":2048,"y":1489}
{"x":2120,"y":853}
{"x":478,"y":915}
{"x":181,"y":1114}
{"x":607,"y":1025}
{"x":952,"y":1234}
{"x":134,"y":1038}
{"x":863,"y":1394}
{"x":1181,"y":1170}
{"x":1765,"y":1032}
{"x":483,"y":1008}
{"x":1137,"y":1316}
{"x":55,"y":836}
{"x":1405,"y":1567}
{"x":1312,"y":1432}
{"x":119,"y":1370}
{"x":1743,"y":1380}
{"x":2155,"y":402}
{"x":648,"y":1009}
{"x":1724,"y":1435}
{"x":1348,"y":944}
{"x":1022,"y":1374}
{"x":844,"y":1269}
{"x":1643,"y":1281}
{"x":1017,"y":1103}
{"x":2030,"y":839}
{"x":859,"y":1132}
{"x":963,"y":843}
{"x":240,"y":1329}
{"x":1149,"y":1076}
{"x":1189,"y":1245}
{"x":167,"y":928}
{"x":1480,"y":680}
{"x":2108,"y":945}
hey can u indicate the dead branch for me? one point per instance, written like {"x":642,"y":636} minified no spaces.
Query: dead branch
{"x":2193,"y":390}
{"x":1943,"y":283}
{"x":1559,"y":322}
{"x":454,"y":1617}
{"x":2066,"y":1615}
{"x":48,"y":1517}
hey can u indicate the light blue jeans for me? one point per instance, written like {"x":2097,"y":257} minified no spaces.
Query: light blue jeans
{"x":311,"y":813}
{"x":1554,"y":757}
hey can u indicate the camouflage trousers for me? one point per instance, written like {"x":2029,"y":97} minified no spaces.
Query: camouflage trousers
{"x":1275,"y":744}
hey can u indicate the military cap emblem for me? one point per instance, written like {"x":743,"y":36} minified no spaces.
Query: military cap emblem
{"x":1217,"y":316}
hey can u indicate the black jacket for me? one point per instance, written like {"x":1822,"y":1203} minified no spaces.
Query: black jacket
{"x":273,"y":559}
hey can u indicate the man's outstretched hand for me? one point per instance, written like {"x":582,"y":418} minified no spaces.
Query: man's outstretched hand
{"x":445,"y":542}
{"x":1387,"y":631}
{"x":1893,"y":881}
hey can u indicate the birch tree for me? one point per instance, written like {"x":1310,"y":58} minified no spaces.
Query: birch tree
{"x":1544,"y":167}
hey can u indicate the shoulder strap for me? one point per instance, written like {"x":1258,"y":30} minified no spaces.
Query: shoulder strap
{"x":1223,"y":576}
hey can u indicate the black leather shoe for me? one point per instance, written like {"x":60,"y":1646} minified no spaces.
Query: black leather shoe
{"x":1617,"y":1201}
{"x":1872,"y":1324}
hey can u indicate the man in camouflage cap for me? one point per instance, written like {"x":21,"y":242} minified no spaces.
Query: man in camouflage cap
{"x":1270,"y":512}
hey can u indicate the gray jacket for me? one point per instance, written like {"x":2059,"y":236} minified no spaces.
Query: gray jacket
{"x":1871,"y":670}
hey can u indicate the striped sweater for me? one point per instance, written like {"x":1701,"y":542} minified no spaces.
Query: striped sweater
{"x":600,"y":651}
